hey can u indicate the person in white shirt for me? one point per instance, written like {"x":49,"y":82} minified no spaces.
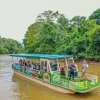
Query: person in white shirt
{"x":84,"y":68}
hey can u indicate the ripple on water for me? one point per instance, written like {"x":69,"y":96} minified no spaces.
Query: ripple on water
{"x":96,"y":91}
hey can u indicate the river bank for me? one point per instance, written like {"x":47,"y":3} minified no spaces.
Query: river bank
{"x":90,"y":62}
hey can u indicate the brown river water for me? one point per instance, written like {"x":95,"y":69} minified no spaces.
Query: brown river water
{"x":15,"y":88}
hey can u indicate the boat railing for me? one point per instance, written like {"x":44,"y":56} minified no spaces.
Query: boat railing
{"x":75,"y":79}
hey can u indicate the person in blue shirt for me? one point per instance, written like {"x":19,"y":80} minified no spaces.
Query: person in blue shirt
{"x":28,"y":64}
{"x":72,"y":70}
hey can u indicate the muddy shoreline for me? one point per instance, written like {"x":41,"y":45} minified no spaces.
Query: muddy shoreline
{"x":90,"y":62}
{"x":94,"y":63}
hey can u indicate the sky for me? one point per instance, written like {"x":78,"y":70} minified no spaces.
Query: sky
{"x":17,"y":15}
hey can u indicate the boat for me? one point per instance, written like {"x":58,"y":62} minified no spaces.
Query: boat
{"x":47,"y":70}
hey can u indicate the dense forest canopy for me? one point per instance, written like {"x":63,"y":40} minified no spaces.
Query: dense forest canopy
{"x":54,"y":33}
{"x":8,"y":46}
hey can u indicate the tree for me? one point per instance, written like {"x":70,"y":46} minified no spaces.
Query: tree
{"x":63,"y":22}
{"x":78,"y":20}
{"x":54,"y":33}
{"x":8,"y":46}
{"x":47,"y":15}
{"x":48,"y":38}
{"x":87,"y":26}
{"x":30,"y":38}
{"x":95,"y":15}
{"x":95,"y":40}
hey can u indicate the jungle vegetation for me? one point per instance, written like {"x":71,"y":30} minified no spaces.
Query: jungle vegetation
{"x":9,"y":46}
{"x":53,"y":33}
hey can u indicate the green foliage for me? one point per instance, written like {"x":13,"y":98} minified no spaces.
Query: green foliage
{"x":8,"y":46}
{"x":48,"y":38}
{"x":95,"y":40}
{"x":47,"y":15}
{"x":63,"y":22}
{"x":54,"y":33}
{"x":78,"y":20}
{"x":96,"y":15}
{"x":31,"y":37}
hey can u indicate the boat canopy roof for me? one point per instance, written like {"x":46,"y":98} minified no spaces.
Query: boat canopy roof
{"x":45,"y":56}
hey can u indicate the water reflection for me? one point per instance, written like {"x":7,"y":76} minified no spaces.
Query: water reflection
{"x":13,"y":87}
{"x":29,"y":91}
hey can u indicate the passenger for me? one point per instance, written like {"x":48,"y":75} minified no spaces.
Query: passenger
{"x":72,"y":69}
{"x":76,"y":71}
{"x":24,"y":63}
{"x":84,"y":68}
{"x":55,"y":67}
{"x":37,"y":67}
{"x":28,"y":64}
{"x":62,"y":71}
{"x":33,"y":66}
{"x":45,"y":68}
{"x":20,"y":62}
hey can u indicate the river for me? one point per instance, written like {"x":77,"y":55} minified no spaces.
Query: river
{"x":15,"y":88}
